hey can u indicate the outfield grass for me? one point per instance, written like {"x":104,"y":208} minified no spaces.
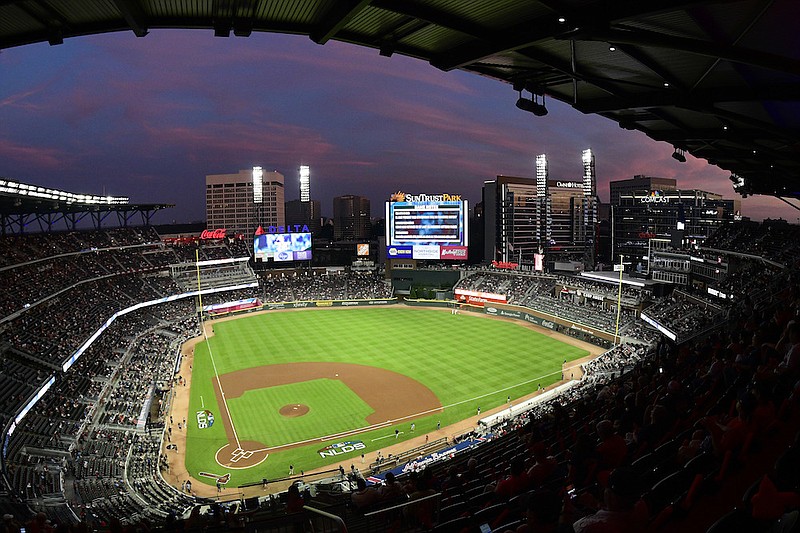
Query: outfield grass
{"x":466,"y":360}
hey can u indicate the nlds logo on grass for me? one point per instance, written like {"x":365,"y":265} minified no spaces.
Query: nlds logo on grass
{"x":341,"y":448}
{"x":205,"y":419}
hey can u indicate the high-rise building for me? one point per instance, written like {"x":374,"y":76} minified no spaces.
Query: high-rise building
{"x":527,"y":216}
{"x":648,"y":221}
{"x":513,"y":222}
{"x":640,"y":184}
{"x":304,"y":213}
{"x":242,"y":202}
{"x":351,"y":217}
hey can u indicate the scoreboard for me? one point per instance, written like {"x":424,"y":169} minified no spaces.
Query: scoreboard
{"x":282,"y":247}
{"x":429,"y":229}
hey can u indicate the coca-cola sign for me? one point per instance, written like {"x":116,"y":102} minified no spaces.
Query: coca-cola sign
{"x":213,"y":234}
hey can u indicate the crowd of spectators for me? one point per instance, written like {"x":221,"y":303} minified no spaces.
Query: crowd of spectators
{"x":76,"y":438}
{"x":215,"y":276}
{"x":702,"y":408}
{"x":313,"y":285}
{"x":571,"y":298}
{"x":766,"y":239}
{"x":39,"y":266}
{"x":685,"y":316}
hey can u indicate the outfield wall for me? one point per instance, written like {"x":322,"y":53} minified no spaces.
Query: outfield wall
{"x":328,"y":303}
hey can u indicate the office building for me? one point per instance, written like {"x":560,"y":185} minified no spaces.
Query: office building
{"x":513,"y":217}
{"x":638,"y":184}
{"x":305,"y":214}
{"x":242,"y":202}
{"x":647,"y":222}
{"x":556,"y":218}
{"x":351,"y":218}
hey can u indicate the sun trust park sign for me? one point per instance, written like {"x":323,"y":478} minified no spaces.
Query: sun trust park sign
{"x":400,"y":196}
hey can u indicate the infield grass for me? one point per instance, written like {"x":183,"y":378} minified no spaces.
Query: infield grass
{"x":332,"y":406}
{"x":468,"y":361}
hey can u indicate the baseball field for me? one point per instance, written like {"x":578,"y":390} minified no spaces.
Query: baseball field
{"x":310,"y":388}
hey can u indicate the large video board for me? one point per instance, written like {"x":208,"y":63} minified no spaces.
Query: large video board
{"x":282,"y":247}
{"x":430,"y":228}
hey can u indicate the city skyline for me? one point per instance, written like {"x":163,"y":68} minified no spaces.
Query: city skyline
{"x":149,"y":118}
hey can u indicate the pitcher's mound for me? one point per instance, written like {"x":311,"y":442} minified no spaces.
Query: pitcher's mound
{"x":293,"y":410}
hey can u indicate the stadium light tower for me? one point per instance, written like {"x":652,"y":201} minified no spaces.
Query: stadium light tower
{"x":541,"y":175}
{"x":589,"y":205}
{"x":589,"y":176}
{"x":258,"y":195}
{"x":305,"y":183}
{"x":544,"y":231}
{"x":258,"y":185}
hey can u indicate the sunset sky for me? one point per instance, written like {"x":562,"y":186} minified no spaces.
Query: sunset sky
{"x":150,"y":117}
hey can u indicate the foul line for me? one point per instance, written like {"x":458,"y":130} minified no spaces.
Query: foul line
{"x":210,"y":353}
{"x":388,"y":436}
{"x":326,"y":437}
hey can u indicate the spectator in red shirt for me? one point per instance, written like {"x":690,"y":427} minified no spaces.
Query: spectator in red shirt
{"x":516,"y":483}
{"x":612,"y":450}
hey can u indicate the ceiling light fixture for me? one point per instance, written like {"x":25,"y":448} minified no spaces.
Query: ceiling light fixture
{"x":532,"y":105}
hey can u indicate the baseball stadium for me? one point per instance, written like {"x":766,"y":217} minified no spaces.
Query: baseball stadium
{"x":303,"y":381}
{"x":493,"y":370}
{"x":226,"y":399}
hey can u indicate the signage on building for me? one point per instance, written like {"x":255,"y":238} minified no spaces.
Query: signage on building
{"x":505,"y":265}
{"x":569,"y":184}
{"x":213,"y":234}
{"x":294,"y":228}
{"x":655,"y":197}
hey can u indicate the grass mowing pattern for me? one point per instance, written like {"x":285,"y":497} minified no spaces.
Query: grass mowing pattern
{"x":468,"y":361}
{"x":331,"y":403}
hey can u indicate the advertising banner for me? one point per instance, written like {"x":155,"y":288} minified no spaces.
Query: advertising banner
{"x":421,"y":462}
{"x":426,"y":252}
{"x":478,"y":297}
{"x":456,"y":253}
{"x":399,"y":252}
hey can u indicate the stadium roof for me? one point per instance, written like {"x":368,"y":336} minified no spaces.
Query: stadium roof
{"x":22,"y":204}
{"x":717,"y":79}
